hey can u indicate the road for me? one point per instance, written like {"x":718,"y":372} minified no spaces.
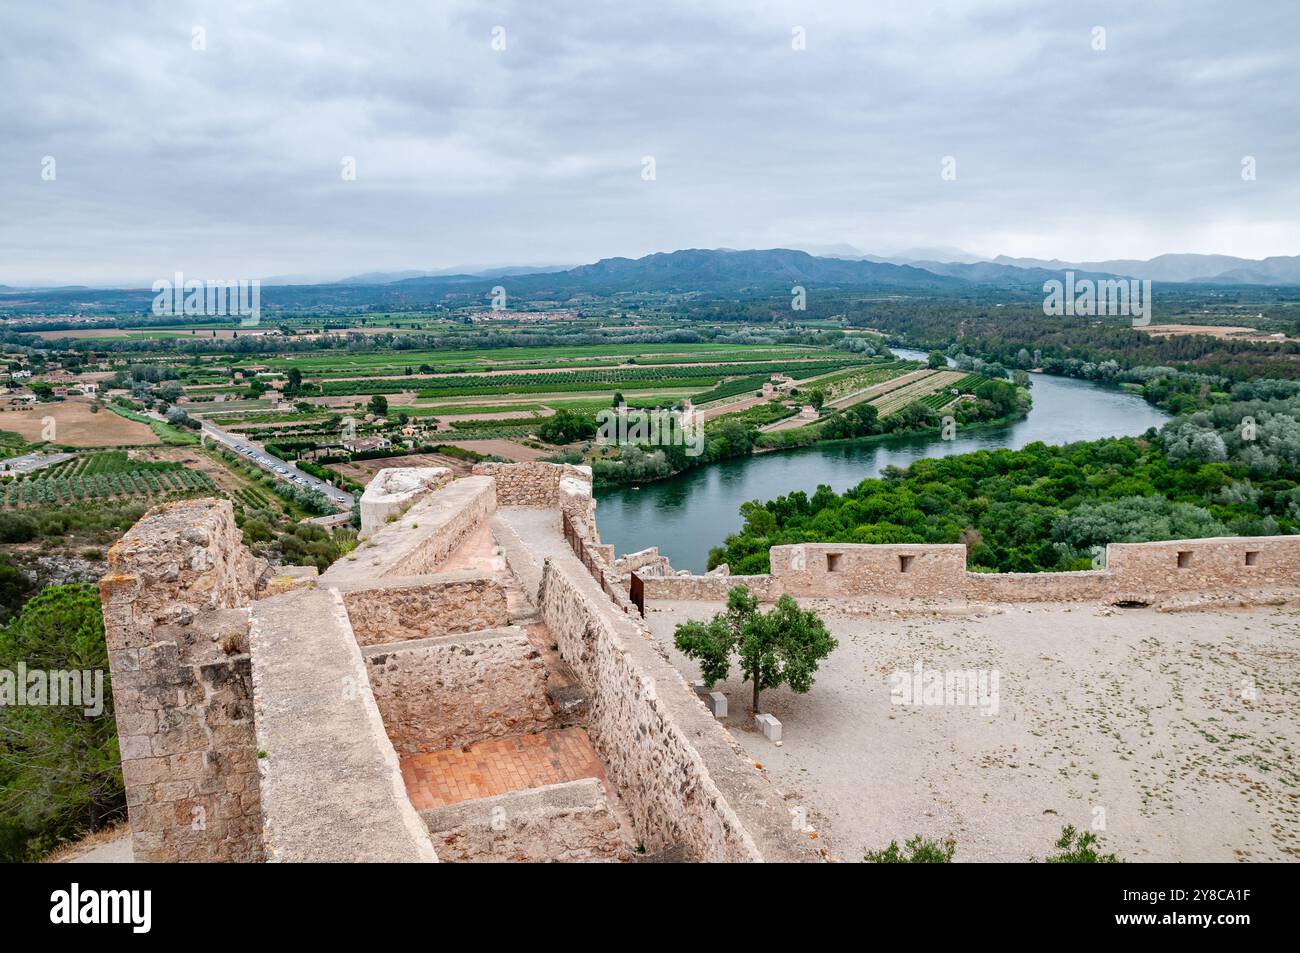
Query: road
{"x":32,"y":461}
{"x":269,"y":463}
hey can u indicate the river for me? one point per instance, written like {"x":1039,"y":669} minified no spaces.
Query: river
{"x":687,"y":515}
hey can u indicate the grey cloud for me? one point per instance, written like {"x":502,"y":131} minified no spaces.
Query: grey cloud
{"x":226,"y":162}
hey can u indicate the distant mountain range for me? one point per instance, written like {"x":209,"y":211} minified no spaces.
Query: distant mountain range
{"x":694,"y":270}
{"x":1205,"y":269}
{"x":691,"y":269}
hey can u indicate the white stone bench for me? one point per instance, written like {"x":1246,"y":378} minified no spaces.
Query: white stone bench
{"x":769,"y":726}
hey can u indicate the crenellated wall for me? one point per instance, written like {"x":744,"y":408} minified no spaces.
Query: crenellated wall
{"x":1134,"y":572}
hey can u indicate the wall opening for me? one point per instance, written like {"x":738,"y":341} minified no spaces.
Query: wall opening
{"x":905,"y":563}
{"x":834,"y":562}
{"x":1252,"y":558}
{"x":1184,"y":558}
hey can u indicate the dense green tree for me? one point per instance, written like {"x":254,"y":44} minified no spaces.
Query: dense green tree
{"x":782,"y":646}
{"x":59,"y":770}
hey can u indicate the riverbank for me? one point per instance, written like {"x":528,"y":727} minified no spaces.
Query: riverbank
{"x":915,"y":419}
{"x":688,"y":514}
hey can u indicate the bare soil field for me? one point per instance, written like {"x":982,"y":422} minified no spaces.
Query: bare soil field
{"x":505,"y":449}
{"x":1176,"y":731}
{"x":76,"y":426}
{"x":1210,"y":330}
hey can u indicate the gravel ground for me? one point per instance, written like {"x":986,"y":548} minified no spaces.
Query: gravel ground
{"x":1140,"y":719}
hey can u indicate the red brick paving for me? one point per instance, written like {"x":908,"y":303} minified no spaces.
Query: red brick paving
{"x":499,"y":766}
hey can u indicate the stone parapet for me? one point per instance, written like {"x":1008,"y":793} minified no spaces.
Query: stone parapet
{"x":535,"y":484}
{"x":419,"y":541}
{"x":331,"y":787}
{"x":394,"y":490}
{"x":1134,"y":572}
{"x":683,"y":779}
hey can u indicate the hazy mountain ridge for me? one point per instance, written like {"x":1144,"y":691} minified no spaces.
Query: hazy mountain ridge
{"x":692,"y":270}
{"x":1209,"y":269}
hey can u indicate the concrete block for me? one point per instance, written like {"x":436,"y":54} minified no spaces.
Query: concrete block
{"x":769,"y":726}
{"x":716,"y":702}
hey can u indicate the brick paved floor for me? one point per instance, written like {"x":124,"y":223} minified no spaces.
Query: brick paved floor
{"x":499,"y":766}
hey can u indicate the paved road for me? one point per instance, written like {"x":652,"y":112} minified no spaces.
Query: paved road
{"x":32,"y":461}
{"x":274,"y":465}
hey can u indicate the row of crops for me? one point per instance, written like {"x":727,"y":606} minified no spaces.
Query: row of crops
{"x":849,"y":382}
{"x":585,"y":380}
{"x":58,"y":490}
{"x":942,"y":398}
{"x":107,"y":461}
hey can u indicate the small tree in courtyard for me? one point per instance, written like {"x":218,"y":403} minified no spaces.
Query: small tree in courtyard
{"x":783,"y":646}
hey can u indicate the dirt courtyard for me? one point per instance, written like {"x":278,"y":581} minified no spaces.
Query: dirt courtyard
{"x":1178,"y":731}
{"x":76,"y":426}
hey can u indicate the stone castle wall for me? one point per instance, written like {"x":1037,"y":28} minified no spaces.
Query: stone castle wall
{"x":1137,"y":572}
{"x":440,"y":605}
{"x":440,"y":693}
{"x":666,"y":755}
{"x":182,"y":682}
{"x":531,"y":484}
{"x":394,"y":490}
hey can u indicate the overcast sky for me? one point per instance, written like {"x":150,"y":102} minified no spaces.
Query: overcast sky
{"x":227,"y":162}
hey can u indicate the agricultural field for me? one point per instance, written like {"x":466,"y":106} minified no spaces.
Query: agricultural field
{"x":108,"y":476}
{"x":895,"y":399}
{"x":76,"y":425}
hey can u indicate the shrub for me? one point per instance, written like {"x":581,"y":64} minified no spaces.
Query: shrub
{"x":918,"y":850}
{"x":1078,"y":847}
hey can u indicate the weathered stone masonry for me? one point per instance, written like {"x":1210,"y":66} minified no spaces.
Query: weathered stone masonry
{"x":179,"y":661}
{"x":1134,"y":572}
{"x":446,"y":692}
{"x":262,"y":715}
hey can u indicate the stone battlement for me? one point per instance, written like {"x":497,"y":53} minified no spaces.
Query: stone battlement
{"x":285,"y":716}
{"x":1134,"y":572}
{"x":289,"y":716}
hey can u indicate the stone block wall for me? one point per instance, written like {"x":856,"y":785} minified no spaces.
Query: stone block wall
{"x":706,"y":588}
{"x":1038,"y":586}
{"x":1142,"y":572}
{"x":1239,"y":563}
{"x":532,"y":484}
{"x":827,"y":569}
{"x":446,"y":692}
{"x":569,"y":822}
{"x":451,"y":602}
{"x":182,"y":689}
{"x":394,"y":490}
{"x":663,"y":751}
